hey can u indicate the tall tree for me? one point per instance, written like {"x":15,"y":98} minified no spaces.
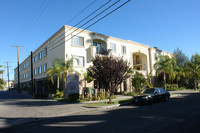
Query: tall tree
{"x":162,"y":65}
{"x":55,"y":70}
{"x":172,"y":71}
{"x":179,"y":73}
{"x":110,"y":71}
{"x":193,"y":67}
{"x":67,"y":69}
{"x":180,"y":57}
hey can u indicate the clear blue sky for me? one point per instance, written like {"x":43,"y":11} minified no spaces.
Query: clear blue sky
{"x":166,"y":24}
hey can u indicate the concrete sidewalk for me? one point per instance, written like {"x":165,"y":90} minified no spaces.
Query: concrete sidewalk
{"x":16,"y":108}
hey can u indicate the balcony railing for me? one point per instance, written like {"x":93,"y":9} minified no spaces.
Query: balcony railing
{"x":137,"y":62}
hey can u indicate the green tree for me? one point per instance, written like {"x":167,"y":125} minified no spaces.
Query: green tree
{"x":55,"y":70}
{"x":180,"y":57}
{"x":86,"y":77}
{"x":193,"y":68}
{"x":67,"y":69}
{"x":149,"y":77}
{"x":2,"y":83}
{"x":179,"y":73}
{"x":162,"y":65}
{"x":172,"y":71}
{"x":110,"y":71}
{"x":139,"y":81}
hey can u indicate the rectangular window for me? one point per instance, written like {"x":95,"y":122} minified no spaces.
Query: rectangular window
{"x":44,"y":67}
{"x":45,"y":52}
{"x":124,"y":49}
{"x":98,"y":45}
{"x":78,"y":41}
{"x":40,"y":55}
{"x":24,"y":65}
{"x":39,"y":69}
{"x":35,"y":58}
{"x":113,"y":46}
{"x":35,"y":71}
{"x":78,"y":60}
{"x":155,"y":55}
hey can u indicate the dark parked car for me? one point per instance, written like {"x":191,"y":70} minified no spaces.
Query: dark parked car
{"x":152,"y":95}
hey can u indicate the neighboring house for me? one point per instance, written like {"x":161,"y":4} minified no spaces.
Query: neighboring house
{"x":84,"y":47}
{"x":8,"y":84}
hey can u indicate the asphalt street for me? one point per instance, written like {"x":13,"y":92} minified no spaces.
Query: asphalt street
{"x":180,"y":114}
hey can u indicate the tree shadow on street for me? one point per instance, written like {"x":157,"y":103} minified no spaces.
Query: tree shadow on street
{"x":161,"y":117}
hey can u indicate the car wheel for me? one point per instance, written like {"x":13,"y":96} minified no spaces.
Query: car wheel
{"x":166,"y":98}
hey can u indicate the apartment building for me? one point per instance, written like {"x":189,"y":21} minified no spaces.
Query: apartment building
{"x":83,"y":45}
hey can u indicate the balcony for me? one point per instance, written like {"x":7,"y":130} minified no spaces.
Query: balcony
{"x":137,"y":62}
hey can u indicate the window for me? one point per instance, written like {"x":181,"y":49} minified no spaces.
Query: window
{"x":155,"y":55}
{"x":35,"y":58}
{"x":39,"y":69}
{"x":29,"y":63}
{"x":78,"y":41}
{"x":40,"y":55}
{"x":45,"y":52}
{"x":35,"y":71}
{"x":124,"y":49}
{"x":78,"y":60}
{"x":44,"y":67}
{"x":113,"y":46}
{"x":98,"y":45}
{"x":24,"y":65}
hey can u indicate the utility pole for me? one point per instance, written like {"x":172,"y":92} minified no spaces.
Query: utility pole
{"x":8,"y":73}
{"x":19,"y":90}
{"x":32,"y":86}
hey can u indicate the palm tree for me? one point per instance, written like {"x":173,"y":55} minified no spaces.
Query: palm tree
{"x":172,"y":69}
{"x":87,"y":77}
{"x":55,"y":70}
{"x":193,"y":67}
{"x":67,"y":69}
{"x":162,"y":65}
{"x":149,"y":77}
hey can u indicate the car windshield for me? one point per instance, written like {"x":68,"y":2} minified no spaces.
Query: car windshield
{"x":147,"y":91}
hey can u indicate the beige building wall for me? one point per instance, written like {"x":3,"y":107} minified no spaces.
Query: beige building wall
{"x":140,"y":56}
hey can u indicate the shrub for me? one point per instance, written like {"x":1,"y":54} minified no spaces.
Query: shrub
{"x":171,"y":87}
{"x":81,"y":97}
{"x":182,"y":88}
{"x":73,"y":97}
{"x":59,"y":94}
{"x":94,"y":98}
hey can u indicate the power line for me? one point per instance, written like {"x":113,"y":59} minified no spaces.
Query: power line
{"x":89,"y":25}
{"x":92,"y":24}
{"x":85,"y":23}
{"x":80,"y":22}
{"x":81,"y":11}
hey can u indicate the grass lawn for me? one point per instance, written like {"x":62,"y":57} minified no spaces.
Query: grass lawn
{"x":101,"y":104}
